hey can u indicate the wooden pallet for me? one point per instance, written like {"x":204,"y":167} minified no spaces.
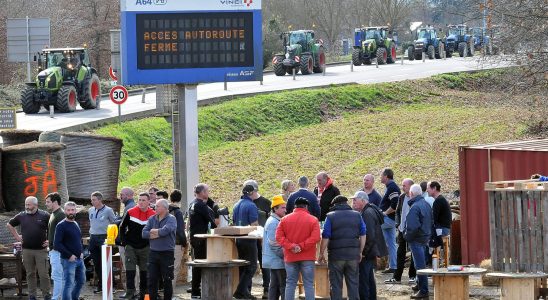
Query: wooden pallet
{"x":517,"y":185}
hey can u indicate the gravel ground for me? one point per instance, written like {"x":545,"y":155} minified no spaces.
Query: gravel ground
{"x":385,"y":291}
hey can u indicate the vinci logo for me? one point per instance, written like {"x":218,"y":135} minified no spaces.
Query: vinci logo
{"x":237,"y":2}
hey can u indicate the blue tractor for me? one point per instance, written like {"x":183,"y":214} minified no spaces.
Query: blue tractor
{"x":481,"y":40}
{"x":458,"y":40}
{"x":426,"y":41}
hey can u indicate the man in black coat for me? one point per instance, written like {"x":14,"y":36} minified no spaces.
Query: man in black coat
{"x":325,"y":192}
{"x":374,"y":244}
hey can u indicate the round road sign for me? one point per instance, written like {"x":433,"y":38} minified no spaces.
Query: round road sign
{"x":118,"y":94}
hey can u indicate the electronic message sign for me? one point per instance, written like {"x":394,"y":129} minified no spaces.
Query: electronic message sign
{"x":169,"y":41}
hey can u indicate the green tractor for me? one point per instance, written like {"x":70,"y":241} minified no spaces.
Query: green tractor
{"x":373,"y":43}
{"x":301,"y":52}
{"x":65,"y":78}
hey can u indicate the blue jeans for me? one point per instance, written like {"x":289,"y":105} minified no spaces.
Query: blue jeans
{"x":368,"y":288}
{"x":417,"y":250}
{"x":306,"y":268}
{"x":348,"y":269}
{"x":56,"y":274}
{"x":389,"y":233}
{"x":74,"y":274}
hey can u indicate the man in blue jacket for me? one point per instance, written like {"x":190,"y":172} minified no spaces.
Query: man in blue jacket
{"x":418,"y":227}
{"x":160,"y":230}
{"x":273,"y":255}
{"x":314,"y":207}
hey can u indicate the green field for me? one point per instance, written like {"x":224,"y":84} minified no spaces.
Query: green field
{"x":414,"y":127}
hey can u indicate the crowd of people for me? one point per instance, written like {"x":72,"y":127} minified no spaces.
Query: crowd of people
{"x":352,"y":234}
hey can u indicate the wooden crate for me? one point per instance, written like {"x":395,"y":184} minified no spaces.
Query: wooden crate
{"x":518,"y":225}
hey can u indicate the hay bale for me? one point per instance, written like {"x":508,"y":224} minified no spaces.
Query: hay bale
{"x":2,"y":206}
{"x":33,"y":169}
{"x":16,"y":137}
{"x":488,"y":281}
{"x":92,"y":164}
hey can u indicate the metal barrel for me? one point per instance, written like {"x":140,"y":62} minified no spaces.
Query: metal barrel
{"x":33,"y":169}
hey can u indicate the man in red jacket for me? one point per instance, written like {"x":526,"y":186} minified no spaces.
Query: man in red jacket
{"x":298,"y":233}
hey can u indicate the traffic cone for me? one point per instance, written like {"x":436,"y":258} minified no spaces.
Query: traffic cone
{"x":147,"y":297}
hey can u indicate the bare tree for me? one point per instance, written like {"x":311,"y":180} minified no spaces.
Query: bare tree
{"x":329,"y":18}
{"x":391,"y":13}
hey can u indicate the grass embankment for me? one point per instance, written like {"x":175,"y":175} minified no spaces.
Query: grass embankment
{"x":413,"y":127}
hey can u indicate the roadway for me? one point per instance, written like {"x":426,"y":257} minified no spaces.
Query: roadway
{"x":207,"y":93}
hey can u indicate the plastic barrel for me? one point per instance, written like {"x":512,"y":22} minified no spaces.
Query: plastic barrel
{"x":50,"y":136}
{"x":16,"y":137}
{"x":92,"y":164}
{"x":33,"y":169}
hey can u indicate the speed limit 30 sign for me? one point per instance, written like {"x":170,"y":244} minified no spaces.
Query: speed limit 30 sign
{"x":118,"y":94}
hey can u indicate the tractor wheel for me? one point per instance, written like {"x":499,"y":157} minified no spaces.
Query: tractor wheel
{"x":357,"y":57}
{"x":382,"y":56}
{"x":66,"y":99}
{"x":307,"y":64}
{"x":411,"y":53}
{"x":27,"y":101}
{"x":431,"y":51}
{"x":91,"y":92}
{"x":320,"y":63}
{"x":278,"y":66}
{"x":392,"y":55}
{"x":448,"y":54}
{"x":439,"y":53}
{"x":418,"y":55}
{"x":367,"y":61}
{"x":462,"y":47}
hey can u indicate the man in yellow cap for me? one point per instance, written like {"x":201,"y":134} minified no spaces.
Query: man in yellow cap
{"x":273,"y":256}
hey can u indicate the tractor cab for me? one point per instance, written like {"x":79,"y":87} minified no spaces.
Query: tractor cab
{"x":457,"y":33}
{"x":426,"y":34}
{"x":68,"y":60}
{"x":302,"y":39}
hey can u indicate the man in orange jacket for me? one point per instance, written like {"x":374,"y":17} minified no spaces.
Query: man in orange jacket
{"x":298,"y":234}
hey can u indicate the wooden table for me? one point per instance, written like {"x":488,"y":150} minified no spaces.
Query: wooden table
{"x":217,"y":281}
{"x":518,"y":285}
{"x":322,"y":285}
{"x":222,"y":249}
{"x":11,"y":258}
{"x":451,"y":285}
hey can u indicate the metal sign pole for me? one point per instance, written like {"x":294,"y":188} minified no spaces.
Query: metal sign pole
{"x":106,"y":252}
{"x":28,"y":50}
{"x":119,"y":114}
{"x":187,"y":163}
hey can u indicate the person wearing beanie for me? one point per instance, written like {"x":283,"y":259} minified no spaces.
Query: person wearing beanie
{"x":273,"y":256}
{"x":246,"y":213}
{"x":298,"y":233}
{"x":344,"y":237}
